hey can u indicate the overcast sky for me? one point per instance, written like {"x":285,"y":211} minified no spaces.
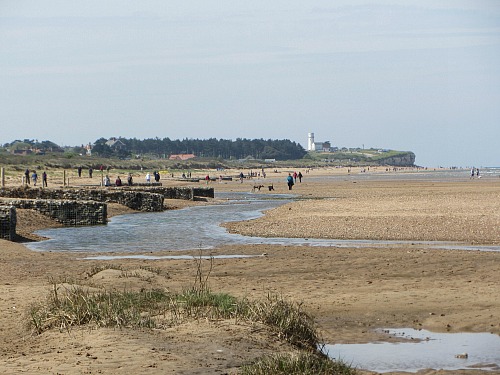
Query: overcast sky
{"x":415,"y":75}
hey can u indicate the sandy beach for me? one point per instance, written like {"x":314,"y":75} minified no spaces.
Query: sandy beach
{"x":349,"y":291}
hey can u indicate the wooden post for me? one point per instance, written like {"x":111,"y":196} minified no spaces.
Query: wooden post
{"x":3,"y":176}
{"x":64,"y":177}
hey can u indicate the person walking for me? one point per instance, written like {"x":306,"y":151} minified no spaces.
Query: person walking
{"x":44,"y":179}
{"x":90,"y":172}
{"x":289,"y":181}
{"x":34,"y":177}
{"x":300,"y":176}
{"x":148,"y":178}
{"x":27,"y":176}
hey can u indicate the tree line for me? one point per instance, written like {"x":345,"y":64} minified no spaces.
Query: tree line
{"x":210,"y":148}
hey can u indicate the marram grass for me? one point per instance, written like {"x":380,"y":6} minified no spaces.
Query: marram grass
{"x":297,"y":364}
{"x":67,"y":307}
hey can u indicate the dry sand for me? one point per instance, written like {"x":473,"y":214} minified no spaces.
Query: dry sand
{"x":350,"y":291}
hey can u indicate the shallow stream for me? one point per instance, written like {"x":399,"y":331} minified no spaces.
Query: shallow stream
{"x":194,"y":228}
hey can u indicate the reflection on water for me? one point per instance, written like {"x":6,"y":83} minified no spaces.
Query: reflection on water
{"x":195,"y":228}
{"x":421,"y":350}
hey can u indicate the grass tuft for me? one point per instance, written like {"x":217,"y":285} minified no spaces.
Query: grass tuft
{"x":297,"y":364}
{"x":76,"y":306}
{"x":101,"y":267}
{"x":287,"y":319}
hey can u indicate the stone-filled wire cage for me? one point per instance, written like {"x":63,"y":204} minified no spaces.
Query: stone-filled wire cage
{"x":8,"y":222}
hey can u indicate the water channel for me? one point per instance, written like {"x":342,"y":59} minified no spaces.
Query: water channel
{"x":195,"y":228}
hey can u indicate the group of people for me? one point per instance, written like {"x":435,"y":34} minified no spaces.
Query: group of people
{"x":80,"y":169}
{"x":156,"y":176}
{"x":118,"y":181}
{"x":34,"y":177}
{"x":292,"y":179}
{"x":474,"y":171}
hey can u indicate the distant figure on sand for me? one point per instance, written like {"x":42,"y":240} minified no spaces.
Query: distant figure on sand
{"x":34,"y":177}
{"x":289,"y":181}
{"x":472,"y":172}
{"x":107,"y":181}
{"x":477,"y":173}
{"x":79,"y":171}
{"x":129,"y":179}
{"x":90,"y":172}
{"x":44,"y":179}
{"x":300,"y":176}
{"x":27,"y":176}
{"x":118,"y":181}
{"x":148,"y":178}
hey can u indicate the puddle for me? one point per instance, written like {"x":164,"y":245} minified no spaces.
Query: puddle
{"x":195,"y":228}
{"x":421,"y":349}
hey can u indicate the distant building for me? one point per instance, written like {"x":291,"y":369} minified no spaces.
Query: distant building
{"x":324,"y":146}
{"x":26,"y":151}
{"x":181,"y":156}
{"x":310,"y":141}
{"x":115,"y":144}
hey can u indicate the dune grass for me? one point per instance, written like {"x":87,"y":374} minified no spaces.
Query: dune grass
{"x":303,"y":363}
{"x":70,"y":306}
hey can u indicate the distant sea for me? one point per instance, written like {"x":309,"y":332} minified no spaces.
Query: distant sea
{"x":433,"y":174}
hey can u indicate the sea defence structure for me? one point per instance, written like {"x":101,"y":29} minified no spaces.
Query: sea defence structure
{"x":84,"y":206}
{"x":136,"y":200}
{"x":66,"y":212}
{"x":150,"y":199}
{"x":7,"y":222}
{"x":143,"y":199}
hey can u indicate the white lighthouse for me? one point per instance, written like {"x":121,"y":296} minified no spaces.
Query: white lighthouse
{"x":310,"y":141}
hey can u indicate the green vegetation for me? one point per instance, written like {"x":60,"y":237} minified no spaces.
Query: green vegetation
{"x":132,"y":154}
{"x":357,"y":156}
{"x":297,"y":364}
{"x":66,"y":307}
{"x":209,"y":148}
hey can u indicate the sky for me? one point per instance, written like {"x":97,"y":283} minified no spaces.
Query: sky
{"x":413,"y":75}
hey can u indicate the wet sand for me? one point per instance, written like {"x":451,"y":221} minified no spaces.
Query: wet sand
{"x":350,"y":291}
